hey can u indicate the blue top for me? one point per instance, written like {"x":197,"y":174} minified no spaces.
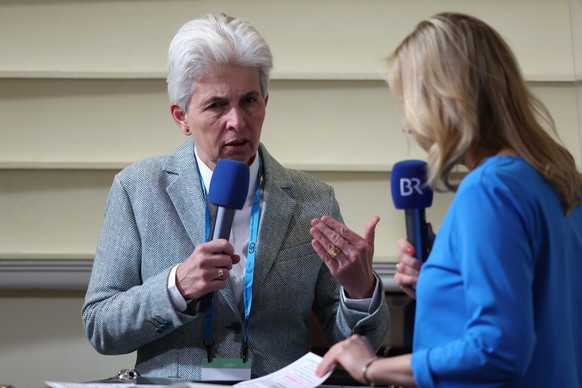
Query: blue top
{"x":499,"y":300}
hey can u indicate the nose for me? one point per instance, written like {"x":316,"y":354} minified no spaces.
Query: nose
{"x":235,"y":119}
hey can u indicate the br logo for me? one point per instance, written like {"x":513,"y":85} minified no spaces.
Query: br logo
{"x":409,"y":185}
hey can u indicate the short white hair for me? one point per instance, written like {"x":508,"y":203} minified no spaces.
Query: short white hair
{"x":209,"y":41}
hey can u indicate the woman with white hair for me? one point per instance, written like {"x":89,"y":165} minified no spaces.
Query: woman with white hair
{"x":156,"y":263}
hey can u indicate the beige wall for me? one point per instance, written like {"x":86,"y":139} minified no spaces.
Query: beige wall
{"x":82,"y":94}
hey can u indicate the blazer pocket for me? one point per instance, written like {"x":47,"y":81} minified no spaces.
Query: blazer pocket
{"x":295,"y":253}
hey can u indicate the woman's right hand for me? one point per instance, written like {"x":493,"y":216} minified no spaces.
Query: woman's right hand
{"x":206,"y":269}
{"x":408,"y":268}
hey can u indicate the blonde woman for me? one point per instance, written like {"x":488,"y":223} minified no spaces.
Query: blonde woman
{"x":499,"y":299}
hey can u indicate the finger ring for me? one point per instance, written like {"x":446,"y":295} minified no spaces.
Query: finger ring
{"x":333,"y":252}
{"x":220,"y":274}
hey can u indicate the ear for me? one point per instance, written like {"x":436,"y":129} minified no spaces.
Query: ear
{"x":181,"y":119}
{"x":266,"y":100}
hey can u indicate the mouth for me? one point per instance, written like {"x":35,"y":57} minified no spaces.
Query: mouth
{"x":235,"y":144}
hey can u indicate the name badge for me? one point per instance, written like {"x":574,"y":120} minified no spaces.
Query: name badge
{"x":226,"y":369}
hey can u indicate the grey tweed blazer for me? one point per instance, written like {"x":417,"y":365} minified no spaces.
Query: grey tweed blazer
{"x":154,"y":218}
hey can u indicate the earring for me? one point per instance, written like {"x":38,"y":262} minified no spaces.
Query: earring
{"x":187,"y":131}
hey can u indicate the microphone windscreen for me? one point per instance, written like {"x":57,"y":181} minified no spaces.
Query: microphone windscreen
{"x":408,"y":184}
{"x":229,"y":184}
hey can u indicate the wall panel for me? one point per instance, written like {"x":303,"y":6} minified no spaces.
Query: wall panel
{"x":310,"y":39}
{"x":51,"y":213}
{"x":83,"y":122}
{"x":312,"y":125}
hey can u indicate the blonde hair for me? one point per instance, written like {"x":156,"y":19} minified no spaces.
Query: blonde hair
{"x":461,"y":89}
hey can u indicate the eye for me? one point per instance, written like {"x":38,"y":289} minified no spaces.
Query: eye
{"x":214,"y":105}
{"x":249,"y":100}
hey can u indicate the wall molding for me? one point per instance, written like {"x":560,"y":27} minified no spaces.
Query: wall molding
{"x":74,"y":274}
{"x":50,"y":274}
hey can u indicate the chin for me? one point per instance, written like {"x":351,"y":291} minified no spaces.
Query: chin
{"x":241,"y":158}
{"x":244,"y":156}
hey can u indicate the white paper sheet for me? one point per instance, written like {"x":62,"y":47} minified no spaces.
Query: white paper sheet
{"x":300,"y":373}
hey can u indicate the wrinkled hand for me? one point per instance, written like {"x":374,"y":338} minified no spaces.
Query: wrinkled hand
{"x":347,"y":255}
{"x":200,"y":273}
{"x":351,"y":354}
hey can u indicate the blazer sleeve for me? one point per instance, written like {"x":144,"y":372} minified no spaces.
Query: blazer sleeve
{"x":121,"y":312}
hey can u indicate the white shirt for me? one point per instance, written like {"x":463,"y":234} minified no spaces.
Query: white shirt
{"x":239,"y":235}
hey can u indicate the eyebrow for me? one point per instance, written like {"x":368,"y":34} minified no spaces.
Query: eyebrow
{"x":219,"y":98}
{"x":253,"y":93}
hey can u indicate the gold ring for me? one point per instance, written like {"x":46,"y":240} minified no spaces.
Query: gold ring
{"x":333,"y":252}
{"x":220,"y":274}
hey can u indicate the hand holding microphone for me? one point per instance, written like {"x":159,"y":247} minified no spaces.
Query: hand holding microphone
{"x":208,"y":267}
{"x":410,"y":193}
{"x":408,"y":268}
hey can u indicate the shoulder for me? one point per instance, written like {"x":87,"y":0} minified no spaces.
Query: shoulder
{"x":298,"y":181}
{"x":145,"y":170}
{"x":307,"y":195}
{"x":148,"y":178}
{"x":157,"y":168}
{"x":506,"y":184}
{"x":503,"y":174}
{"x":307,"y":181}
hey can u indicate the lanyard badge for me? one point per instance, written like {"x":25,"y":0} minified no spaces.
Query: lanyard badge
{"x":234,"y":369}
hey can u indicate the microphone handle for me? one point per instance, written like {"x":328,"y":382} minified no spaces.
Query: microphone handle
{"x":222,"y":223}
{"x":220,"y":229}
{"x":417,"y":232}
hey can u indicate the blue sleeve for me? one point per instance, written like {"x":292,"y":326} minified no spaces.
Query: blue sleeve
{"x":492,"y":247}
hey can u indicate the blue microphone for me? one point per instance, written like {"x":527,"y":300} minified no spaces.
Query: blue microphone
{"x":411,"y":193}
{"x":228,"y":191}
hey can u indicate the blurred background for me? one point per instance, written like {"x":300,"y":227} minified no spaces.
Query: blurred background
{"x":83,"y":94}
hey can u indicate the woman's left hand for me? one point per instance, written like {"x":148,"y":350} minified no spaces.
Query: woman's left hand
{"x":356,"y":352}
{"x":347,"y":254}
{"x":352,"y":354}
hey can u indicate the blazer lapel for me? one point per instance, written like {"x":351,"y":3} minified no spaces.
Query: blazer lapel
{"x":186,"y":193}
{"x":276,"y":214}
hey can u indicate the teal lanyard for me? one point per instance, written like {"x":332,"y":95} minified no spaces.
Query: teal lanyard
{"x":208,"y":335}
{"x":249,"y":269}
{"x":250,"y":266}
